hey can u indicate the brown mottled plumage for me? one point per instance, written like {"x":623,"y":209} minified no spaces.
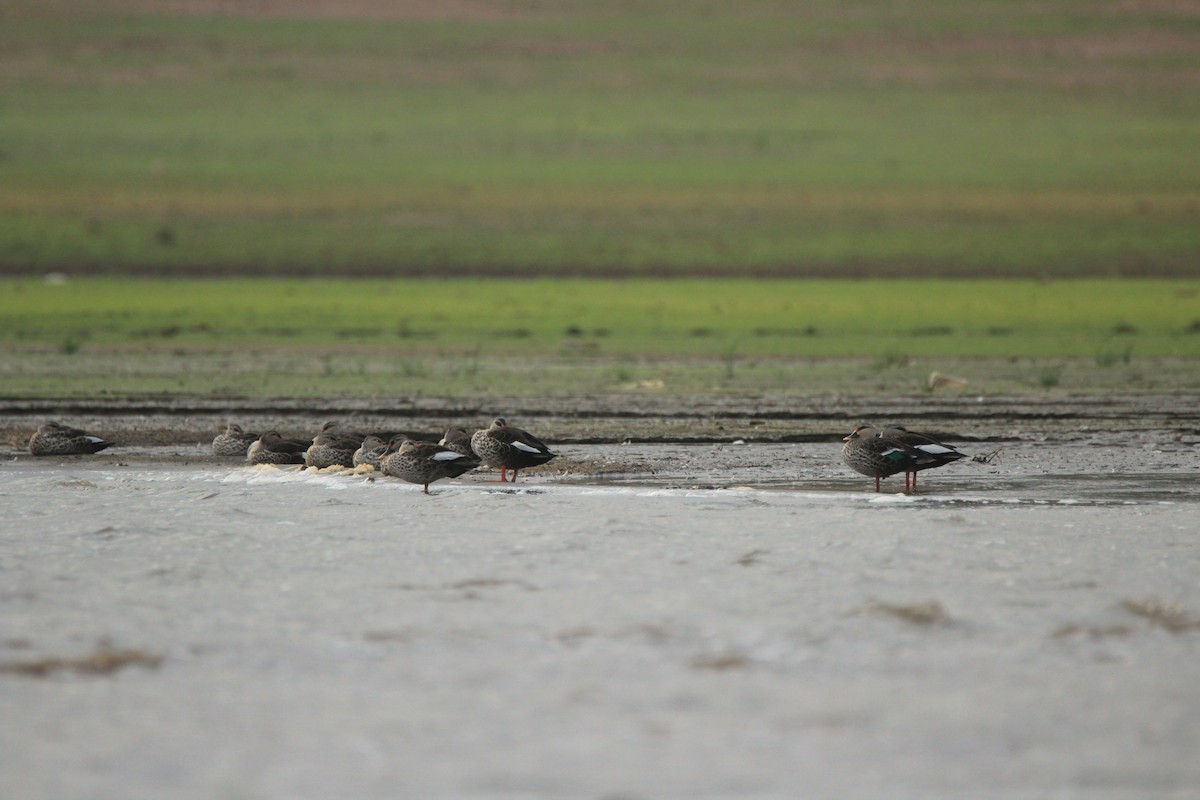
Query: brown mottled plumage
{"x":867,"y":454}
{"x":423,"y":462}
{"x":271,"y":448}
{"x":233,"y":442}
{"x":56,"y":439}
{"x":332,"y":450}
{"x":458,"y":440}
{"x":506,"y":447}
{"x":370,"y":452}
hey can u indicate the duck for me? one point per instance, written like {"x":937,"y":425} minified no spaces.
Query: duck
{"x":939,"y":454}
{"x":271,"y":448}
{"x":867,"y":454}
{"x":332,"y":450}
{"x":458,"y":439}
{"x":56,"y":439}
{"x":501,"y":445}
{"x":335,"y":427}
{"x":233,"y":442}
{"x":370,"y":451}
{"x":423,"y":462}
{"x":341,"y":429}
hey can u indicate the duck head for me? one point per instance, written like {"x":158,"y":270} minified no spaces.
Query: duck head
{"x":861,"y":432}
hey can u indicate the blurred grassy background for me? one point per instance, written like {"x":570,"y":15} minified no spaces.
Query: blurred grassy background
{"x":301,"y":338}
{"x":886,"y":318}
{"x":484,"y":137}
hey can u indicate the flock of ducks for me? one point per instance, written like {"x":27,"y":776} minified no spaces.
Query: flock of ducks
{"x":876,"y":454}
{"x":399,"y":455}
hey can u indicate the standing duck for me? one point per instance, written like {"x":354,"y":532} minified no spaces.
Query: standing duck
{"x":233,"y":442}
{"x":332,"y":450}
{"x":423,"y":462}
{"x":271,"y":448}
{"x":939,"y":454}
{"x":506,"y":447}
{"x":371,"y":450}
{"x":867,"y":454}
{"x":55,"y":439}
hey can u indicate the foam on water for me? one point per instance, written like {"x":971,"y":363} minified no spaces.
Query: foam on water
{"x":732,"y":496}
{"x":1045,"y":489}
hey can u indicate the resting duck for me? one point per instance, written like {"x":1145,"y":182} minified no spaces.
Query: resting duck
{"x":335,"y":427}
{"x":939,"y":454}
{"x":867,"y":454}
{"x":423,"y":462}
{"x":55,"y":439}
{"x":332,"y":450}
{"x":458,"y":440}
{"x":506,"y":447}
{"x":370,"y":451}
{"x":271,"y":448}
{"x":233,"y":442}
{"x":339,"y":428}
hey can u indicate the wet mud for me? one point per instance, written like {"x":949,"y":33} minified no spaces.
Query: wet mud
{"x":607,"y":419}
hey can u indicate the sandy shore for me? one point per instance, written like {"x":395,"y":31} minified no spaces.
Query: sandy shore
{"x":664,"y":619}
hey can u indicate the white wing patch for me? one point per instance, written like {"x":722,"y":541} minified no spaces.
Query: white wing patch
{"x":447,"y":455}
{"x":526,"y":448}
{"x":935,"y":449}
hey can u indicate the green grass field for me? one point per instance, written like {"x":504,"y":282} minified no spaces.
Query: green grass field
{"x":458,"y":338}
{"x":600,"y":139}
{"x":709,"y":318}
{"x":375,"y":338}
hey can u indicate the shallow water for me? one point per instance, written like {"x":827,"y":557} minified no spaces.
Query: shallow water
{"x":1083,"y":473}
{"x":1027,"y":627}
